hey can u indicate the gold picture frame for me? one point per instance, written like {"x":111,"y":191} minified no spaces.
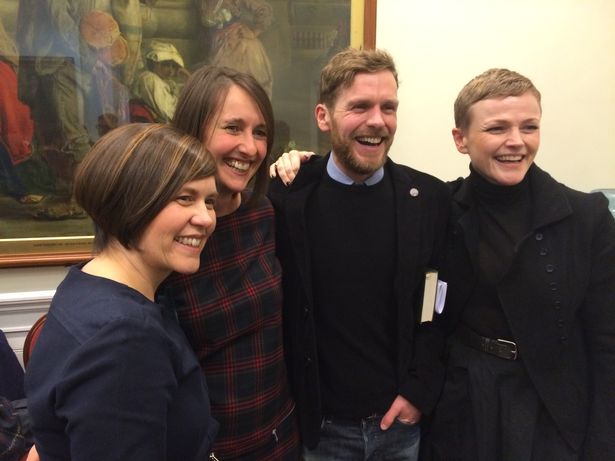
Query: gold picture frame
{"x":301,"y":34}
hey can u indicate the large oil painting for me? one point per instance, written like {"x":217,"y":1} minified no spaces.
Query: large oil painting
{"x":71,"y":70}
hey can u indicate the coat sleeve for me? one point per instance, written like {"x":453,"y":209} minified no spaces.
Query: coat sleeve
{"x":599,"y":325}
{"x":115,"y":392}
{"x":425,"y":376}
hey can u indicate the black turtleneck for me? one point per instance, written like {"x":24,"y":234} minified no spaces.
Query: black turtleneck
{"x":504,"y":218}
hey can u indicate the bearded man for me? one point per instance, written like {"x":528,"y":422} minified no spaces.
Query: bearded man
{"x":355,"y":234}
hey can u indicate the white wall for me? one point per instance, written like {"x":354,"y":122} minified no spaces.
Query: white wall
{"x":25,"y":295}
{"x":567,"y":48}
{"x":31,"y":279}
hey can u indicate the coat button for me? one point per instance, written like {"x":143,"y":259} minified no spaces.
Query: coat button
{"x":553,"y":286}
{"x":563,"y":338}
{"x":549,"y":268}
{"x":308,"y":361}
{"x":544,"y":251}
{"x":557,"y":305}
{"x":560,"y":323}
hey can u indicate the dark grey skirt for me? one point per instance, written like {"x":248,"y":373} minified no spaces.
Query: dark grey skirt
{"x":489,"y":411}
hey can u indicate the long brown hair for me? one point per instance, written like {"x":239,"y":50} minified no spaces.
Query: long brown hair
{"x":202,"y":99}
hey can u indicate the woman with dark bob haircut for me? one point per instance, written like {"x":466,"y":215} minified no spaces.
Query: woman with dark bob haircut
{"x":231,"y":309}
{"x":112,"y":375}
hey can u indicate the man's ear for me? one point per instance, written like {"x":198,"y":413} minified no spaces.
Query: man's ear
{"x":323,"y":118}
{"x":460,"y":140}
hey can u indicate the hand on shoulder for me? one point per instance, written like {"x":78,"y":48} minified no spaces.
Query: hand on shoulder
{"x":288,"y":164}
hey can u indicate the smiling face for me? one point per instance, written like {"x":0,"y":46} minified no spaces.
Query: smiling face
{"x":174,"y":239}
{"x":362,"y":123}
{"x":237,"y":140}
{"x":502,"y":137}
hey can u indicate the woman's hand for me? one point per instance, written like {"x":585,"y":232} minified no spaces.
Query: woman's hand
{"x":287,"y":166}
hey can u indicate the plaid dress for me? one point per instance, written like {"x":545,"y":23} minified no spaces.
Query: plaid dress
{"x":231,"y":312}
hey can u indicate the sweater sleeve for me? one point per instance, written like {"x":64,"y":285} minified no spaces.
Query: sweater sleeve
{"x":114,"y":394}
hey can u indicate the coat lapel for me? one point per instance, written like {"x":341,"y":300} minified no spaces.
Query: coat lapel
{"x":550,"y":204}
{"x":296,"y":222}
{"x":409,"y":216}
{"x":466,"y":222}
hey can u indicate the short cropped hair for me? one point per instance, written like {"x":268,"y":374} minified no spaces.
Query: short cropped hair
{"x":201,"y":101}
{"x":340,"y":71}
{"x":132,"y":173}
{"x":493,"y":83}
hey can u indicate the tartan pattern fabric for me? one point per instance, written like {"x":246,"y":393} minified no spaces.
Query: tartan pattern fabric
{"x":15,"y":429}
{"x":231,"y":312}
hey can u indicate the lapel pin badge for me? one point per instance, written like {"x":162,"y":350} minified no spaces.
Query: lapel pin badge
{"x":414,"y":192}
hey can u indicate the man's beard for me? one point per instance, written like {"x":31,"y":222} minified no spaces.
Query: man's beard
{"x":343,"y":153}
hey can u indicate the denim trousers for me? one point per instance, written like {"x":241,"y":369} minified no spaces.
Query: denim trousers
{"x":364,"y":440}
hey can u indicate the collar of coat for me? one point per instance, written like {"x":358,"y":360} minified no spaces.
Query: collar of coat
{"x":549,"y":201}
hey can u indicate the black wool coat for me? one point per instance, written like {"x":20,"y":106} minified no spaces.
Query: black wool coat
{"x":559,"y":299}
{"x":421,"y":212}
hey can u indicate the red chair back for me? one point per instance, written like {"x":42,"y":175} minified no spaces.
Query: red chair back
{"x":31,"y":339}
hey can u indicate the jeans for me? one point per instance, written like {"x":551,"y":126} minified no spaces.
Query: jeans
{"x":364,"y":440}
